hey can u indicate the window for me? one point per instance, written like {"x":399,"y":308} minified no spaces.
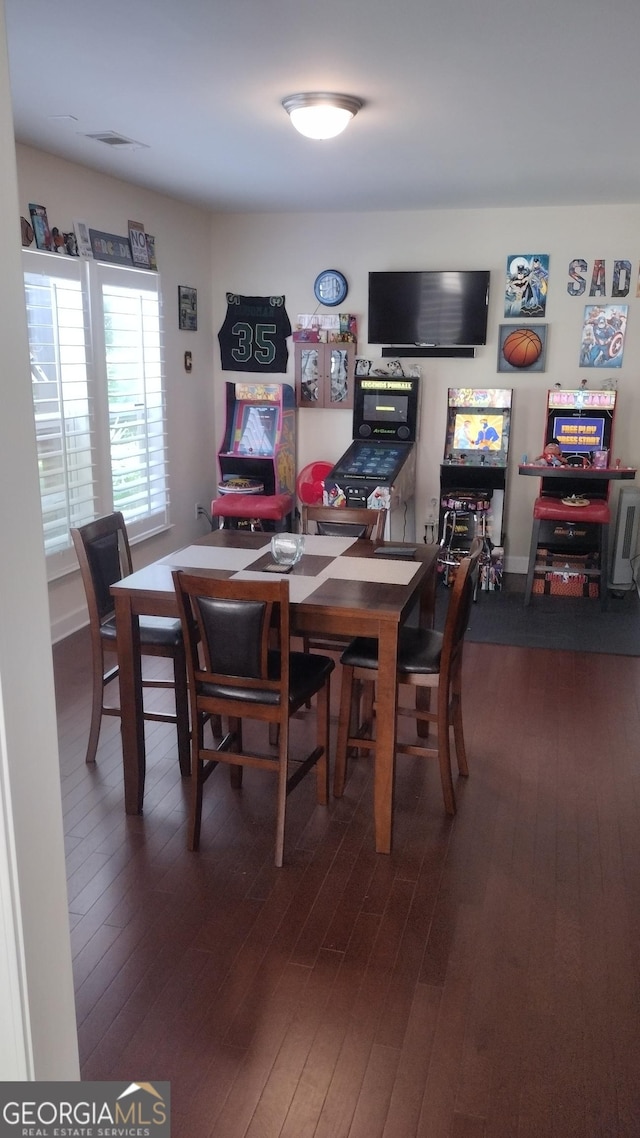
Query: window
{"x":96,"y":346}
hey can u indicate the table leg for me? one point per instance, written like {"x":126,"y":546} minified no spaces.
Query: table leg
{"x":131,"y":709}
{"x":386,"y":726}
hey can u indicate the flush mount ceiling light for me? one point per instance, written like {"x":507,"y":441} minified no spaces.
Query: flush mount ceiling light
{"x":321,"y":115}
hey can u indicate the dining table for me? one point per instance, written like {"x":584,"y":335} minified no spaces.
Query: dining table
{"x":341,"y":586}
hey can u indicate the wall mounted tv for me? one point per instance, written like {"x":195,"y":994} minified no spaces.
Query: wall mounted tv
{"x":429,"y":308}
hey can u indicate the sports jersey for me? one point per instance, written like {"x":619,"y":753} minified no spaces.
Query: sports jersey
{"x":254,"y":334}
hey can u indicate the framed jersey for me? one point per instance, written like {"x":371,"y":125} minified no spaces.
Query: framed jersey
{"x":254,"y":334}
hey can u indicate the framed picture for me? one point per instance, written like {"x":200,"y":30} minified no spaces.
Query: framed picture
{"x":40,"y":225}
{"x":526,"y":286}
{"x":522,"y":349}
{"x":187,"y":308}
{"x":603,"y":333}
{"x":363,"y":366}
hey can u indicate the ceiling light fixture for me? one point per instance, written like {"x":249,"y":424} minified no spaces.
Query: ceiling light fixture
{"x":319,"y":114}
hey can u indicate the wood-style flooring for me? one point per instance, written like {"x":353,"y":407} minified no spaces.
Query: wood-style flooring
{"x":481,"y":982}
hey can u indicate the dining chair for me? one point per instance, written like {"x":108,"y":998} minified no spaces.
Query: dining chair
{"x":331,"y":521}
{"x":233,"y":673}
{"x":426,"y":659}
{"x":104,"y":556}
{"x":349,"y":521}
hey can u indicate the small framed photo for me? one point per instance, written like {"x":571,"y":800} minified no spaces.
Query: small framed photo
{"x":363,"y":366}
{"x":187,"y":308}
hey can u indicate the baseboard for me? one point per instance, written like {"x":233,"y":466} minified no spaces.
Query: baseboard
{"x":69,"y":624}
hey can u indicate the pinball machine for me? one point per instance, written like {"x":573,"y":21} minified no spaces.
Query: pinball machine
{"x":377,"y":471}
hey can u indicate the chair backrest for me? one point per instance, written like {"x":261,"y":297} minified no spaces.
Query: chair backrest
{"x":104,"y":556}
{"x":344,"y":522}
{"x":460,"y":602}
{"x":227,"y":625}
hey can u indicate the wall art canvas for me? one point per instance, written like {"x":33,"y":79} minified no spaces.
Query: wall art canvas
{"x":522,"y":349}
{"x":525,"y":293}
{"x":187,"y":308}
{"x":603,"y":332}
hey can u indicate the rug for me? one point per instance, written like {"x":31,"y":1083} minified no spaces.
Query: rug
{"x":573,"y":624}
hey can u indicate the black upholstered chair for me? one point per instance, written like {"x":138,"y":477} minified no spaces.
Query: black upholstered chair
{"x":347,"y":522}
{"x":425,"y":659}
{"x":228,"y":626}
{"x":330,"y":521}
{"x":104,"y":556}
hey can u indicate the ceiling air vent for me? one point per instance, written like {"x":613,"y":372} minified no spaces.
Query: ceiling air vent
{"x":110,"y":138}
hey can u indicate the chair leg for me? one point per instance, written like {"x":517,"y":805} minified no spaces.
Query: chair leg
{"x":533,"y":552}
{"x":283,"y":773}
{"x":322,"y":730}
{"x":444,"y":751}
{"x":182,"y":711}
{"x":197,"y":775}
{"x":344,"y":719}
{"x":458,"y":732}
{"x":97,"y":701}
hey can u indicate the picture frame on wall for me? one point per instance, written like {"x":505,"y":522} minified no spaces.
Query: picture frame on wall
{"x":522,"y":348}
{"x":187,"y":308}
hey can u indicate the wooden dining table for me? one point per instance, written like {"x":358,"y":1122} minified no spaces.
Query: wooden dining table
{"x":341,"y":586}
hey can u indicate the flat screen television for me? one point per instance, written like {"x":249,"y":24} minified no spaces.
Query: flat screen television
{"x":429,"y":308}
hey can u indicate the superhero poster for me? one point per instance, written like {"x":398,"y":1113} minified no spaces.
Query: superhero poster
{"x":525,"y":293}
{"x":603,"y":332}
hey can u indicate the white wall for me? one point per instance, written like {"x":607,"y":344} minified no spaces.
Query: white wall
{"x":264,"y":254}
{"x":183,"y":252}
{"x":37,"y":1016}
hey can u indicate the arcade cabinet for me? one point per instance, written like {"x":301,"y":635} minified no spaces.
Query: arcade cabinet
{"x":378,"y":469}
{"x":258,"y":454}
{"x":473,"y":479}
{"x":571,"y":516}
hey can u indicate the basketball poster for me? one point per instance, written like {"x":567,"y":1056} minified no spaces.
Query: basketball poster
{"x":525,"y":293}
{"x":522,"y":349}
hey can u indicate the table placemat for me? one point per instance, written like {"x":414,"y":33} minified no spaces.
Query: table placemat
{"x":213,"y":557}
{"x":299,"y":587}
{"x":391,"y":572}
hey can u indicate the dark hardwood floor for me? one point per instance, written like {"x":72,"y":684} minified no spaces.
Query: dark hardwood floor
{"x":483,"y":980}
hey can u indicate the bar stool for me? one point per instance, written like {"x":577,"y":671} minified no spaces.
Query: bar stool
{"x":555,"y":510}
{"x":464,"y":518}
{"x":254,"y":509}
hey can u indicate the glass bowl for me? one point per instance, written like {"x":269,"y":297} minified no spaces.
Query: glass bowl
{"x":287,"y":549}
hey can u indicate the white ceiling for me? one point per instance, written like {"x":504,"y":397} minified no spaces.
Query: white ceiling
{"x":467,"y":103}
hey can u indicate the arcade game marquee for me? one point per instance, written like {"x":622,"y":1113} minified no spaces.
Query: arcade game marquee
{"x":378,"y":469}
{"x":473,"y":478}
{"x":258,"y":452}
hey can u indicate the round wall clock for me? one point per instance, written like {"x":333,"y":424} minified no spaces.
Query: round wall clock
{"x":330,"y":287}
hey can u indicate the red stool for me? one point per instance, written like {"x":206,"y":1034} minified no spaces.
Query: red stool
{"x":555,"y":510}
{"x":254,"y":508}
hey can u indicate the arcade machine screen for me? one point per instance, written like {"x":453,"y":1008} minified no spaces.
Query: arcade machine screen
{"x":581,"y":421}
{"x":257,"y":430}
{"x":383,"y":407}
{"x":478,"y":426}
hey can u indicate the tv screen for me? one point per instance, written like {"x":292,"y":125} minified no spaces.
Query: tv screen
{"x":429,"y":308}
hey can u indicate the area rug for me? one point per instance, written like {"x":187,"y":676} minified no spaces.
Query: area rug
{"x":571,"y":623}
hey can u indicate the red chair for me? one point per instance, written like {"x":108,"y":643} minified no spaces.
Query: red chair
{"x":254,"y":508}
